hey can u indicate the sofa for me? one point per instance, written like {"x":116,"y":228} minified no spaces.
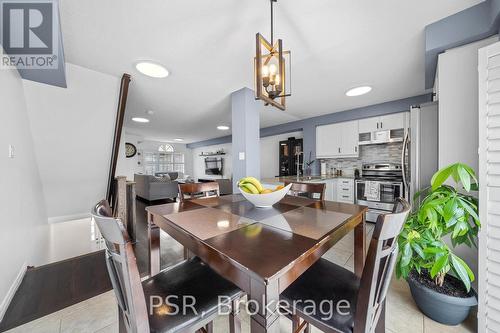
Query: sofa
{"x":152,"y":188}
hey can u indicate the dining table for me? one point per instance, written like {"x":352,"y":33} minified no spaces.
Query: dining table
{"x":261,"y":250}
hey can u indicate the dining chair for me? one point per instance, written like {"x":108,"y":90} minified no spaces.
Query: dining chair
{"x":197,"y":190}
{"x":310,"y":189}
{"x":363,"y":297}
{"x":151,"y":305}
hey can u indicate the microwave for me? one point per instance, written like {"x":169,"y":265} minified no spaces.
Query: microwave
{"x":385,"y":136}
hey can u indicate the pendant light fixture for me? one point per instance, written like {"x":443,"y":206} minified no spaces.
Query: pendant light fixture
{"x":272,"y":69}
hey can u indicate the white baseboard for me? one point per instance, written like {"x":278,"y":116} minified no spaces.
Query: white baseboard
{"x":65,"y":218}
{"x":12,"y":290}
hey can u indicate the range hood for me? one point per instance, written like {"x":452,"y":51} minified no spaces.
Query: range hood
{"x":381,"y":137}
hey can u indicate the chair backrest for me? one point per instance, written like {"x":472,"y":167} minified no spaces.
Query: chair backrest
{"x":309,"y":188}
{"x":197,"y":190}
{"x":379,"y":266}
{"x":122,"y":269}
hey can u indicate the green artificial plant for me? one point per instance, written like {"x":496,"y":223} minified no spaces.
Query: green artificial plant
{"x":441,"y":210}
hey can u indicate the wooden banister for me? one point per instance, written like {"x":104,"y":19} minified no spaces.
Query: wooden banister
{"x":120,"y":114}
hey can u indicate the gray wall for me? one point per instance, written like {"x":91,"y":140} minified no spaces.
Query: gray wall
{"x":308,"y":126}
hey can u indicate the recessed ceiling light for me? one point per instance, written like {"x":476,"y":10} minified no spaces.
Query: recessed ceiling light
{"x":178,"y":139}
{"x":222,"y":128}
{"x":151,"y":68}
{"x":140,"y":120}
{"x":150,"y":112}
{"x":358,"y":91}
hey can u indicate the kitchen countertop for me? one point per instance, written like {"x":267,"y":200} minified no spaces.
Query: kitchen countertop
{"x":278,"y":180}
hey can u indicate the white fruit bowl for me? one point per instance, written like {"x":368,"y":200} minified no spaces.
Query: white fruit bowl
{"x":266,"y":200}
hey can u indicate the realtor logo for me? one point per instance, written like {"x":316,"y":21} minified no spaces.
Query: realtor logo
{"x":29,"y":34}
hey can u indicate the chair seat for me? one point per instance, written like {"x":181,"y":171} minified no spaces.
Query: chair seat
{"x":325,"y":281}
{"x":189,"y":278}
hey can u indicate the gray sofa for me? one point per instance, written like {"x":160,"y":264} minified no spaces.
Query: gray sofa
{"x":156,"y":188}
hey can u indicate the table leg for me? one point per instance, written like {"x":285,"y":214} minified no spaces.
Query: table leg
{"x":381,"y":321}
{"x":263,"y":301}
{"x":154,"y":246}
{"x":359,"y":247}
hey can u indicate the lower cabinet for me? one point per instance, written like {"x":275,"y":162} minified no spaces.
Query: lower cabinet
{"x":339,"y":189}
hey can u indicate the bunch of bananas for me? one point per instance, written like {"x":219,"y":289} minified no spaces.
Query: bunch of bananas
{"x":253,"y":186}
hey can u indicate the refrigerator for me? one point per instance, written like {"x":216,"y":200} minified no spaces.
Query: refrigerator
{"x":420,"y":148}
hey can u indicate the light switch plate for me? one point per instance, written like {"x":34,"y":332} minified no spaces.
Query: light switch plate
{"x":11,"y":151}
{"x":242,"y":155}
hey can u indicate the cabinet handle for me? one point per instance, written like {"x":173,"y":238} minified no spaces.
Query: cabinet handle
{"x":345,"y":196}
{"x":339,"y":149}
{"x":377,"y":125}
{"x":381,"y":125}
{"x":355,"y":149}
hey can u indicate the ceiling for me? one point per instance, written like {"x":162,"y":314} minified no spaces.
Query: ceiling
{"x":208,"y":47}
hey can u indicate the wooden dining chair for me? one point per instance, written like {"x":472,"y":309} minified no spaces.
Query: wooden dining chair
{"x":310,"y":189}
{"x":149,"y":306}
{"x":197,"y":190}
{"x":327,"y":282}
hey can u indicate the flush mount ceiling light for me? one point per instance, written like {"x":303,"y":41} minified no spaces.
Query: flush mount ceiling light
{"x":222,"y":127}
{"x":151,"y":69}
{"x":140,"y":120}
{"x":358,"y":91}
{"x":272,"y":69}
{"x":178,"y":139}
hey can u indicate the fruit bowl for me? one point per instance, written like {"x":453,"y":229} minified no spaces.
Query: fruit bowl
{"x":266,"y":200}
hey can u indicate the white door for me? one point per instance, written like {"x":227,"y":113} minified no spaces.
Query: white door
{"x":327,"y":141}
{"x":349,"y":138}
{"x":392,"y":121}
{"x":489,"y":194}
{"x":368,"y":125}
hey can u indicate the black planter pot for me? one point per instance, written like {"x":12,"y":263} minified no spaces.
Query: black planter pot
{"x":445,"y":309}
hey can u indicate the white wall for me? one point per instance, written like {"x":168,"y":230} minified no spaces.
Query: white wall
{"x":72,"y":131}
{"x":270,"y":152}
{"x":129,"y":166}
{"x":269,"y":157}
{"x":199,"y":161}
{"x":458,"y":104}
{"x":23,"y":222}
{"x":458,"y":114}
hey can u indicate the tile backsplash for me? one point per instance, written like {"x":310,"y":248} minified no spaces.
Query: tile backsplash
{"x":388,"y":153}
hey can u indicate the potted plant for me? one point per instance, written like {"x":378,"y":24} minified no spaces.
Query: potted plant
{"x":439,"y":280}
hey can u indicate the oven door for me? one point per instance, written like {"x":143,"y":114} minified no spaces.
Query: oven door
{"x":389,"y":192}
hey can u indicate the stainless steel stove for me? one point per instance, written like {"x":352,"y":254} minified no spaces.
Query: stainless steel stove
{"x":379,"y":187}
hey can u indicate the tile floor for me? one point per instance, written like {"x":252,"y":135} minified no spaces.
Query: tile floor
{"x":99,"y":314}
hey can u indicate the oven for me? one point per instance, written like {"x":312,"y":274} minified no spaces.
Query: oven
{"x":387,"y":179}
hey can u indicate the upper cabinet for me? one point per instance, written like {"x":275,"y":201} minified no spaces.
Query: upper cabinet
{"x":337,"y":140}
{"x":388,"y":122}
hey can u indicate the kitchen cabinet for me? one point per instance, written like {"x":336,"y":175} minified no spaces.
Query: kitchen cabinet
{"x":387,"y":122}
{"x":337,"y":140}
{"x":345,"y":190}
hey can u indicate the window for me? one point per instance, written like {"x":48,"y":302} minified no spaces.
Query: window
{"x":165,"y":160}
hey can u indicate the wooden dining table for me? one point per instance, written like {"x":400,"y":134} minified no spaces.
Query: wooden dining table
{"x":261,"y":250}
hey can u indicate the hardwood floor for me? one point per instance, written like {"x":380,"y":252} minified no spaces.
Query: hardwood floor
{"x":52,"y":287}
{"x":49,"y":288}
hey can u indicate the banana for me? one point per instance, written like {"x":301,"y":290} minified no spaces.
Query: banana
{"x":247,"y":187}
{"x":253,"y":181}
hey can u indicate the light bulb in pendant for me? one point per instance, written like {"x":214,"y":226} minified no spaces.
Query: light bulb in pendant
{"x":265,"y":71}
{"x":273,"y":69}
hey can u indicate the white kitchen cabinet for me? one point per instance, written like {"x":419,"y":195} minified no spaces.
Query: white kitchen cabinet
{"x":388,"y":122}
{"x":345,"y":190}
{"x":368,"y":125}
{"x":328,"y":141}
{"x":349,"y":138}
{"x":337,"y":140}
{"x":393,"y":121}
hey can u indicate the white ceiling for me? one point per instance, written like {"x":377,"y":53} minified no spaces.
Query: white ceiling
{"x":208,"y":47}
